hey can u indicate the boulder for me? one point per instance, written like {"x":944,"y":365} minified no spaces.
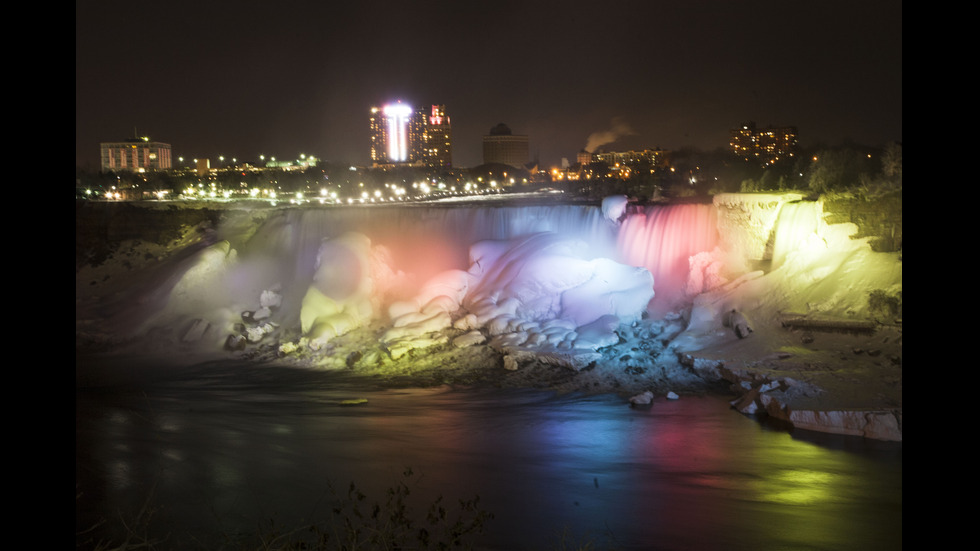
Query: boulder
{"x":642,"y":399}
{"x":736,"y":320}
{"x":878,"y":425}
{"x":469,"y":339}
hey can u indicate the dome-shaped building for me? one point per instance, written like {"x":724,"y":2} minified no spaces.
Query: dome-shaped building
{"x":503,"y":146}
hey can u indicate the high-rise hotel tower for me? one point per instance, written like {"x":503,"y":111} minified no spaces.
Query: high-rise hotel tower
{"x":403,"y":135}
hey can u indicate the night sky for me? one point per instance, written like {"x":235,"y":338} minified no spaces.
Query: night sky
{"x":246,"y":78}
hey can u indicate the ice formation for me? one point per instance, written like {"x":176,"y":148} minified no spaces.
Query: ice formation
{"x":614,"y":207}
{"x":558,"y":284}
{"x":340,"y":297}
{"x":539,"y":292}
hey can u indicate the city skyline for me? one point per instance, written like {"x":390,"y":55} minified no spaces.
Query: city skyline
{"x":241,"y":80}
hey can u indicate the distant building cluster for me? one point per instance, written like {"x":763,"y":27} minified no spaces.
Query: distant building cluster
{"x":655,"y":158}
{"x":404,"y":135}
{"x":613,"y":164}
{"x":136,"y":155}
{"x":767,"y":145}
{"x":504,"y":147}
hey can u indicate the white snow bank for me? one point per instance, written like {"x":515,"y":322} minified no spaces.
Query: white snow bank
{"x":540,"y":291}
{"x":821,"y":271}
{"x":613,"y":207}
{"x":545,"y":276}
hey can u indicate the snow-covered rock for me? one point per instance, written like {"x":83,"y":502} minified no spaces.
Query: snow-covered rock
{"x":256,"y":333}
{"x":418,"y":326}
{"x":737,"y":322}
{"x":398,"y":348}
{"x":879,"y":425}
{"x":538,"y":292}
{"x":235,"y":342}
{"x":340,"y":297}
{"x":470,"y":338}
{"x":598,"y":334}
{"x":270,"y":299}
{"x":545,"y":276}
{"x":642,"y":399}
{"x":613,"y":207}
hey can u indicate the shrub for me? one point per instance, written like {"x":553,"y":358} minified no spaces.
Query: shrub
{"x":882,"y":304}
{"x":353,"y":523}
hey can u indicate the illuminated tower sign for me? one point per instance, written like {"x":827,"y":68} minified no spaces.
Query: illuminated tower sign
{"x":437,"y":116}
{"x":398,"y":116}
{"x":396,"y":134}
{"x":401,"y":134}
{"x":438,"y":139}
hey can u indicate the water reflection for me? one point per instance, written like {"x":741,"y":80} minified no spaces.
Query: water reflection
{"x":226,"y":452}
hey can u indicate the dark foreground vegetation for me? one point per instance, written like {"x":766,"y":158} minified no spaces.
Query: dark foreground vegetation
{"x":353,"y":521}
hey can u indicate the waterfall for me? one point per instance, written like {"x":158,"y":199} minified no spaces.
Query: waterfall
{"x":795,"y":226}
{"x":427,"y":240}
{"x":320,"y":272}
{"x":560,"y":279}
{"x":662,"y":239}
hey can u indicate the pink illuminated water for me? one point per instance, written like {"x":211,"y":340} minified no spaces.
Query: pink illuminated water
{"x":662,"y":239}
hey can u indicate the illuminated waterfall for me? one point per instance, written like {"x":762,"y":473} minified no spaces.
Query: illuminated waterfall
{"x":363,"y":261}
{"x":662,"y":239}
{"x":409,"y":246}
{"x":426,"y":240}
{"x":796,"y":225}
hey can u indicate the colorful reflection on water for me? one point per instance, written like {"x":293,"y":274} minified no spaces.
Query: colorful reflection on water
{"x":225,"y":449}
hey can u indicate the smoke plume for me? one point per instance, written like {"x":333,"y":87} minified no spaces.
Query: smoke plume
{"x":598,"y":139}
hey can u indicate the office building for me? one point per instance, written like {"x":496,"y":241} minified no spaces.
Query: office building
{"x":504,"y":147}
{"x":653,"y":158}
{"x":136,"y":155}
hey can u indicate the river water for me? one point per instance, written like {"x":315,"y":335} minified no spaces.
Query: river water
{"x":224,"y":453}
